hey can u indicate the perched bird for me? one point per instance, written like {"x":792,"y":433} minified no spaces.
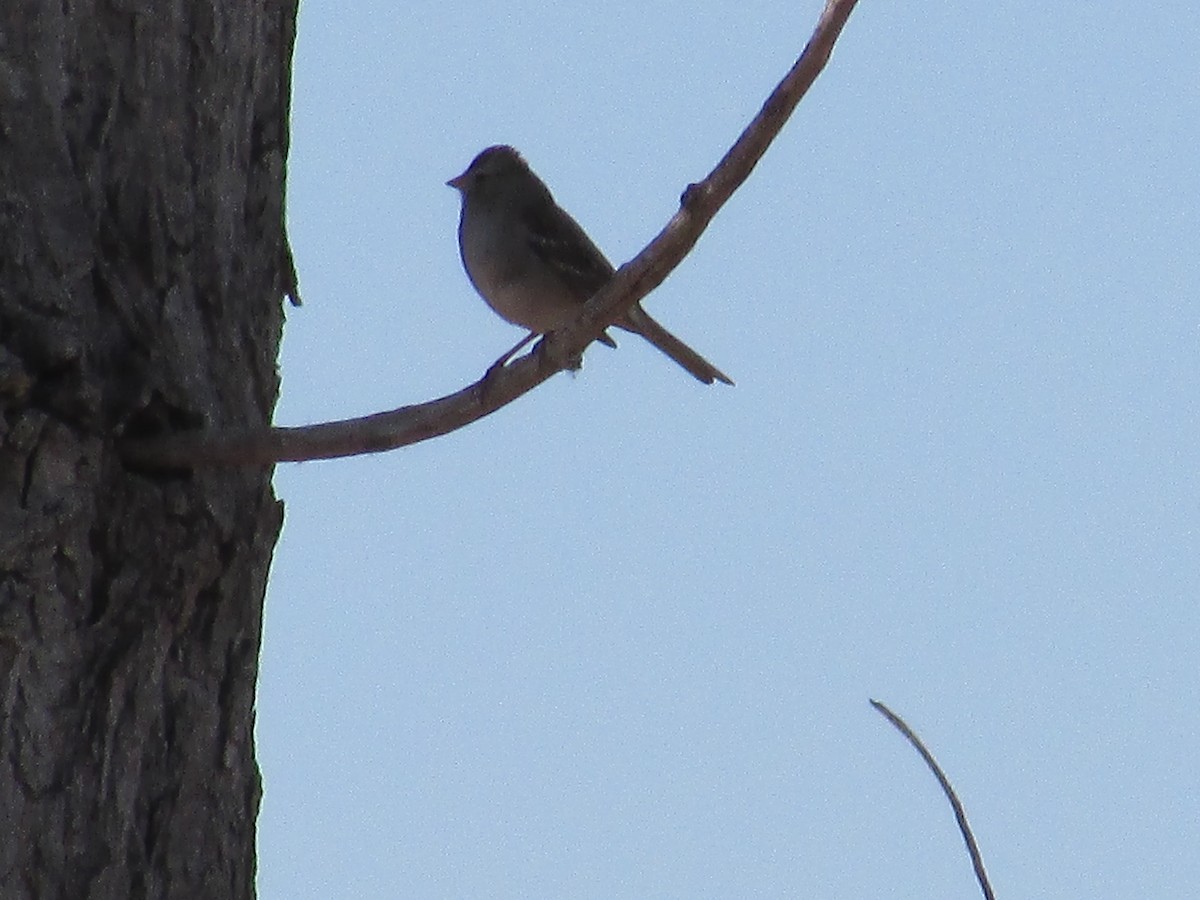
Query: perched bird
{"x":532,"y":262}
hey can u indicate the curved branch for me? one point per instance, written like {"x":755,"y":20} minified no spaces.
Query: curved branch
{"x":960,"y":814}
{"x":633,"y":281}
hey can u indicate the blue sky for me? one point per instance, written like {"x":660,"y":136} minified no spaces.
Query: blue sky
{"x":617,"y":640}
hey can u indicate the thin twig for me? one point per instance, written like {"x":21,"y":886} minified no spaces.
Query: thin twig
{"x":633,"y":281}
{"x":959,"y":813}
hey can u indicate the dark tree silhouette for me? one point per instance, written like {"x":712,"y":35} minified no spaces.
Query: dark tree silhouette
{"x":143,"y":265}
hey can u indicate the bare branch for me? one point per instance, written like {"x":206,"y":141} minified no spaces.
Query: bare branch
{"x":959,"y":813}
{"x":633,"y":281}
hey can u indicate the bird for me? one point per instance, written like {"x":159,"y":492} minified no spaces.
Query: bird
{"x":534,"y":265}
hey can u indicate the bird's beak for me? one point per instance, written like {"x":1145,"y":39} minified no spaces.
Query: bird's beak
{"x":458,"y":183}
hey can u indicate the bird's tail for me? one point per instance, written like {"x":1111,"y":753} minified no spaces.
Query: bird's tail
{"x":640,"y":322}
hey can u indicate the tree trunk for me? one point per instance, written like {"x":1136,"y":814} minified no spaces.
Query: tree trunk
{"x":142,"y":267}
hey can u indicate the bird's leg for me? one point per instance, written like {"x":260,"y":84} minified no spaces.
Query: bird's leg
{"x":503,"y":361}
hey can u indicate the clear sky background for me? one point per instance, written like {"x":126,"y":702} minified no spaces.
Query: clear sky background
{"x":617,"y":640}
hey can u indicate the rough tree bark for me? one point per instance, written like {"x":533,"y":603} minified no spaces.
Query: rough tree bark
{"x":142,"y":266}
